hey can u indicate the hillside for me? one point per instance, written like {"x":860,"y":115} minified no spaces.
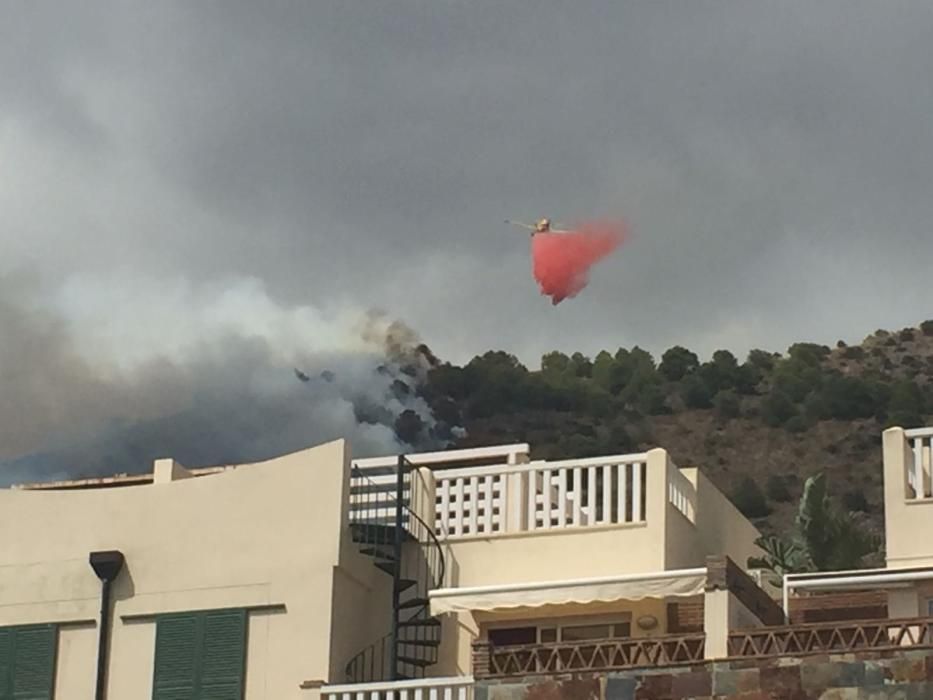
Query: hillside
{"x":757,"y":427}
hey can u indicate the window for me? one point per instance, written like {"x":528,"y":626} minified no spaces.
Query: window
{"x":930,"y":607}
{"x":512,"y":636}
{"x":200,"y":655}
{"x":27,"y":662}
{"x":580,"y":632}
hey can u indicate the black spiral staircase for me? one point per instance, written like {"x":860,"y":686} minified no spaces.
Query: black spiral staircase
{"x":387,"y":528}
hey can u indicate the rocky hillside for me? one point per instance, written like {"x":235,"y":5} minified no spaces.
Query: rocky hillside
{"x":758,"y":427}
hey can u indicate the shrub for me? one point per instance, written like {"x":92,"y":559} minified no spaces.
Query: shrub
{"x":776,"y":488}
{"x":906,"y":397}
{"x":580,"y":365}
{"x":777,"y":409}
{"x":652,"y":401}
{"x":677,"y":362}
{"x":815,"y":407}
{"x":749,"y":499}
{"x":727,"y":405}
{"x":855,"y":502}
{"x":605,"y":373}
{"x":853,"y":352}
{"x":747,"y":378}
{"x":761,"y":359}
{"x":808,"y":353}
{"x":797,"y":424}
{"x":906,"y":335}
{"x":696,"y":393}
{"x":927,"y":327}
{"x":903,"y":419}
{"x":847,"y":398}
{"x":797,"y":377}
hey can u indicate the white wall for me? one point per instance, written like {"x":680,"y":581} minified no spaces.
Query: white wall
{"x":261,"y":535}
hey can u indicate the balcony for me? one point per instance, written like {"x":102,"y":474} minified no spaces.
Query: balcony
{"x":832,"y":638}
{"x":502,"y":499}
{"x":511,"y":499}
{"x":490,"y":661}
{"x":917,"y":469}
{"x":908,"y":496}
{"x":554,"y":541}
{"x":457,"y":688}
{"x":505,"y":523}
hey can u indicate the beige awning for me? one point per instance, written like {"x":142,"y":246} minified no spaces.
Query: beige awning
{"x":662,"y":584}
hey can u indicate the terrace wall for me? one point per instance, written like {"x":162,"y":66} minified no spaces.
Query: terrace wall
{"x":889,"y":675}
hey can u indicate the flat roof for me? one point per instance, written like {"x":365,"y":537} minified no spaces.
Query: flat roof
{"x":104,"y":482}
{"x":493,"y":453}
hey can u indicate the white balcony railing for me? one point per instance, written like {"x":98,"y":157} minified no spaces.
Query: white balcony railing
{"x":458,"y":688}
{"x":541,"y":495}
{"x":513,"y":498}
{"x":682,"y":494}
{"x":919,"y":467}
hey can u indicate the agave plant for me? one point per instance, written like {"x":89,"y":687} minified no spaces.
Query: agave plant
{"x":781,"y":557}
{"x":824,"y":539}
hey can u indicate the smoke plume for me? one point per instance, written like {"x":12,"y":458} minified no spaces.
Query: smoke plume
{"x":90,"y":384}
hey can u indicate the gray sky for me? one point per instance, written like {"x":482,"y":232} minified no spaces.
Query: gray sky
{"x":172,"y":173}
{"x":774,"y":159}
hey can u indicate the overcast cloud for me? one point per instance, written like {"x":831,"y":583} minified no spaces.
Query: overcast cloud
{"x":281,"y":167}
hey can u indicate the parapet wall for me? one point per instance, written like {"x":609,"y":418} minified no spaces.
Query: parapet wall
{"x":879,"y":676}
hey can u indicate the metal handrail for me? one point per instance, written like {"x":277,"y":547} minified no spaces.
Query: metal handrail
{"x":377,"y":507}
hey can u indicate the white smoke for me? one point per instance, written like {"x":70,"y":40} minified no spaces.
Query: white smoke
{"x":105,"y":375}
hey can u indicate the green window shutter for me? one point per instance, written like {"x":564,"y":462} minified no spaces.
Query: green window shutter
{"x":223,"y":655}
{"x":34,"y":662}
{"x":175,"y":672}
{"x":200,"y":656}
{"x":6,"y":663}
{"x":27,"y":662}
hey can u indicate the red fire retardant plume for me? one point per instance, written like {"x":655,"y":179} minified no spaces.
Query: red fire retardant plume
{"x":561,"y":262}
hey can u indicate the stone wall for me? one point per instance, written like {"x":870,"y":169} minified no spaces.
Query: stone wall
{"x":906,"y":675}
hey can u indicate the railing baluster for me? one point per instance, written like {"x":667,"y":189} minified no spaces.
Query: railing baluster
{"x":622,"y":485}
{"x":918,"y":468}
{"x":636,"y":492}
{"x":590,"y":496}
{"x":608,"y":471}
{"x":488,"y":504}
{"x":562,"y":497}
{"x":457,"y":524}
{"x":474,"y":503}
{"x":443,"y":520}
{"x":926,"y":469}
{"x":531,"y":487}
{"x":577,"y":495}
{"x":546,"y":497}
